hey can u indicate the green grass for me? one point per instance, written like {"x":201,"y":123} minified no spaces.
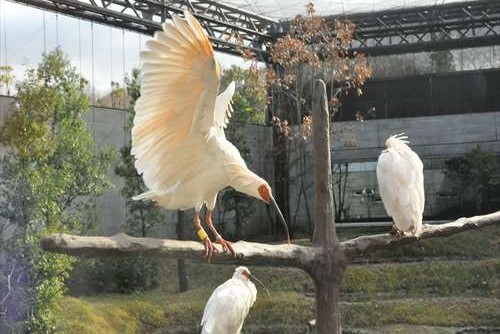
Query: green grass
{"x":436,"y":278}
{"x":126,"y":314}
{"x":454,"y":311}
{"x":140,"y":314}
{"x":387,"y":280}
{"x":475,"y":244}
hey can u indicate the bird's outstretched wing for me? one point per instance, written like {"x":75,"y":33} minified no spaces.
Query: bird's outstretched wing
{"x":178,"y":97}
{"x":223,"y":109}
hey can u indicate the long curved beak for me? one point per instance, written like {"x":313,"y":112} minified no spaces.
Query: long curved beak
{"x":272,"y":201}
{"x":255,"y":279}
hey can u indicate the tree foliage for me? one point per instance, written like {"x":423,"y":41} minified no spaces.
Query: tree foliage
{"x":311,"y":49}
{"x":6,"y":78}
{"x":52,"y":161}
{"x":249,"y":106}
{"x":250,"y":97}
{"x":142,"y":216}
{"x":477,"y":178}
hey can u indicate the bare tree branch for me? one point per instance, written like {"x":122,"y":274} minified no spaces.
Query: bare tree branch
{"x":3,"y":309}
{"x":357,"y":246}
{"x":124,"y":245}
{"x":247,"y":252}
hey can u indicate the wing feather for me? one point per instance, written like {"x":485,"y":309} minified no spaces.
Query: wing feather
{"x":223,"y":108}
{"x":179,"y":88}
{"x":387,"y":176}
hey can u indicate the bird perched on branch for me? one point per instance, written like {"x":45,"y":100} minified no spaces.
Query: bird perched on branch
{"x":229,"y":304}
{"x":400,"y":178}
{"x":178,"y":134}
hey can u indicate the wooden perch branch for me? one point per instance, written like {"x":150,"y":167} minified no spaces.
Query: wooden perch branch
{"x":124,"y":245}
{"x":357,"y":246}
{"x":247,"y":252}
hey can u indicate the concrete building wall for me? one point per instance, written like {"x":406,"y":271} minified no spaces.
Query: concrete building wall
{"x":430,"y":136}
{"x":107,"y":127}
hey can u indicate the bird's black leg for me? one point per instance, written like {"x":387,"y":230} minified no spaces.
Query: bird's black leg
{"x":207,"y":243}
{"x":226,"y":245}
{"x":396,"y":232}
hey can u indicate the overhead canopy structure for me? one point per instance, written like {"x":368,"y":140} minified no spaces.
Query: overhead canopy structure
{"x":427,"y":28}
{"x":283,"y":10}
{"x":446,"y":24}
{"x":231,"y":30}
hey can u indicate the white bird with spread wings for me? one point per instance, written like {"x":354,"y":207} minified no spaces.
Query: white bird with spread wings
{"x":178,"y":134}
{"x":400,"y":178}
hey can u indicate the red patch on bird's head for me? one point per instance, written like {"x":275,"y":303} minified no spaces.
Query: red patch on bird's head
{"x":246,"y":273}
{"x":265,"y":193}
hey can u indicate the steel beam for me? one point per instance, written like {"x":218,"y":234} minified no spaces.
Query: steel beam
{"x":231,"y":30}
{"x":428,"y":28}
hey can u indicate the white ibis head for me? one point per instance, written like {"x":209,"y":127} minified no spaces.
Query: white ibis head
{"x":266,"y":195}
{"x":244,"y":274}
{"x":262,"y":191}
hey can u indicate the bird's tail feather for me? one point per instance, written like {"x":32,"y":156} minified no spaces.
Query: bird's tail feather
{"x":148,"y":195}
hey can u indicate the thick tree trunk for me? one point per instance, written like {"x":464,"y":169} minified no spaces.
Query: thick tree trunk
{"x":181,"y":263}
{"x":328,"y":269}
{"x":182,"y":274}
{"x":281,"y":188}
{"x":324,"y":228}
{"x":281,"y":177}
{"x":237,"y":220}
{"x":327,"y":277}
